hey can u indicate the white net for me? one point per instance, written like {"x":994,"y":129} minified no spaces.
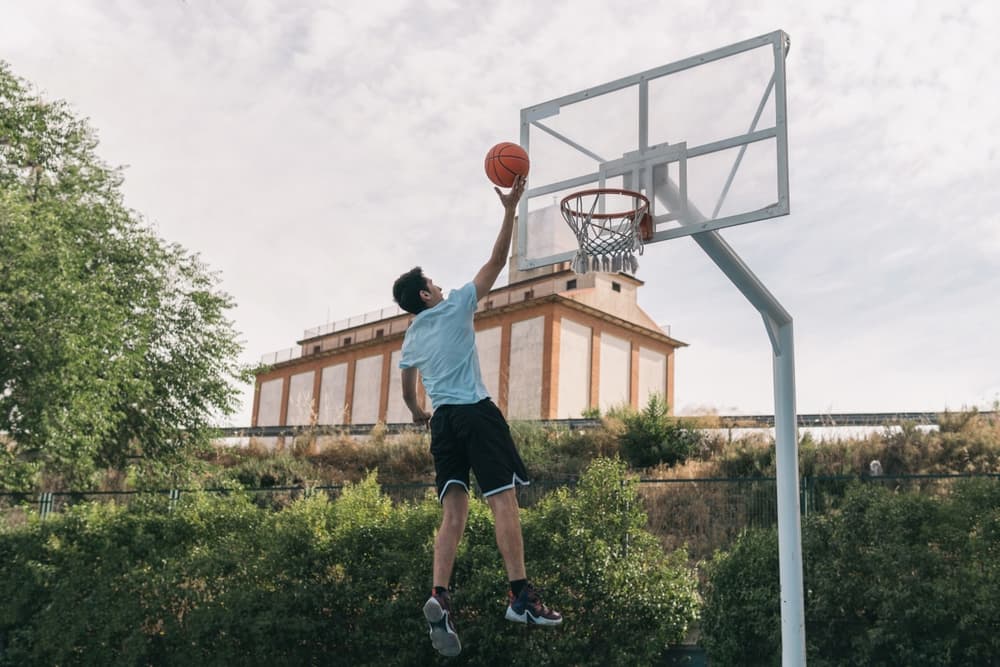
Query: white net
{"x":609,"y":241}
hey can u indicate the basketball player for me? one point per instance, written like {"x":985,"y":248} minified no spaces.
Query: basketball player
{"x":467,"y":431}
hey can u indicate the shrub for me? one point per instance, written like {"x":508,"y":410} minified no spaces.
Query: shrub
{"x":625,"y":599}
{"x":891,"y":579}
{"x":217,"y":580}
{"x":741,"y":617}
{"x":651,"y":436}
{"x":559,"y":453}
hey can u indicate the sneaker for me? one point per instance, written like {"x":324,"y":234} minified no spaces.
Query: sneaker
{"x":528,"y":608}
{"x":437,"y":611}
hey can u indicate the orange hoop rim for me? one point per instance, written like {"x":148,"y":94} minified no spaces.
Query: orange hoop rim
{"x":643,"y":201}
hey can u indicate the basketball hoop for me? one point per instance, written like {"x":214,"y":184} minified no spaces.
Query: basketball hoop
{"x":608,"y":241}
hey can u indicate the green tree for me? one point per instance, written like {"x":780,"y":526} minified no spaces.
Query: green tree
{"x":113,"y":342}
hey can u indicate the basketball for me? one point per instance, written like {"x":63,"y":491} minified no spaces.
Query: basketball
{"x":504,"y":162}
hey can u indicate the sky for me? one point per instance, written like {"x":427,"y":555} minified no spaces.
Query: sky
{"x":312,"y":151}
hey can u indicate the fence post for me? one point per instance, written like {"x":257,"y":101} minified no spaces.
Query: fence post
{"x":44,"y":504}
{"x":621,"y":488}
{"x":175,"y":495}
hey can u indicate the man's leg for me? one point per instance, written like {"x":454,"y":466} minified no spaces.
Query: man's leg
{"x":455,"y":506}
{"x":507,"y":521}
{"x":525,"y":605}
{"x":437,"y":609}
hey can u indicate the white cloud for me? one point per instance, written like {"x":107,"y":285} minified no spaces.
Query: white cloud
{"x":298,"y":146}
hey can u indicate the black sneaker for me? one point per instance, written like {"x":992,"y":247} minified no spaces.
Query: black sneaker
{"x":528,"y":608}
{"x":437,"y":611}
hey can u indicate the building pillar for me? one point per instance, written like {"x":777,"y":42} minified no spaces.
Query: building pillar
{"x":283,"y":413}
{"x":256,"y":402}
{"x":504,"y":381}
{"x":670,"y":382}
{"x":550,"y":359}
{"x":349,"y":392}
{"x":383,"y":399}
{"x":317,"y":389}
{"x":633,"y":380}
{"x":595,"y":368}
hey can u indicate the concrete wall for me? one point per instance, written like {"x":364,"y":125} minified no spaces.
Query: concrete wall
{"x":333,"y":394}
{"x":616,"y":360}
{"x":300,"y":395}
{"x":367,"y":390}
{"x":488,"y":345}
{"x":396,"y":410}
{"x":652,"y":375}
{"x":269,"y":413}
{"x":526,"y":343}
{"x":540,"y":357}
{"x":574,"y":369}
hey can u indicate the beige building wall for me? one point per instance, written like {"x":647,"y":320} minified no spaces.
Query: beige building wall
{"x":548,"y":348}
{"x":269,"y":413}
{"x":616,"y":360}
{"x":652,"y":375}
{"x":300,"y":394}
{"x":574,"y":369}
{"x":367,"y":390}
{"x":333,"y":394}
{"x":396,"y":410}
{"x":488,"y":346}
{"x":526,"y":341}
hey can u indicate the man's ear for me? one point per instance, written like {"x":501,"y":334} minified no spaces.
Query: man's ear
{"x":424,"y":295}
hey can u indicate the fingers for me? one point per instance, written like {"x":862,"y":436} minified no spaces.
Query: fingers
{"x":518,"y":186}
{"x":516,"y":190}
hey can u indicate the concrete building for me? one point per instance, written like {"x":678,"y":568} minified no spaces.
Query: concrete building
{"x":551,"y":345}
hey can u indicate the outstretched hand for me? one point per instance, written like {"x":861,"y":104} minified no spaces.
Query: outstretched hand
{"x":510,"y":199}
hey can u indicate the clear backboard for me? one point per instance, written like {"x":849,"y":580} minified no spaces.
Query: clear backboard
{"x":704,"y":138}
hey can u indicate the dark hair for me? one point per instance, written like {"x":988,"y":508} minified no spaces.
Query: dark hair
{"x":406,"y":290}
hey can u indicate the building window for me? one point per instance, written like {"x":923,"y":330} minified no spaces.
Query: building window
{"x":616,"y":287}
{"x":347,"y":340}
{"x":529,"y":294}
{"x":571,"y":284}
{"x":379,"y":333}
{"x":317,"y":348}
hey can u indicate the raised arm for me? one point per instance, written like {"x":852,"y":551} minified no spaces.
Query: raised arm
{"x":501,"y":248}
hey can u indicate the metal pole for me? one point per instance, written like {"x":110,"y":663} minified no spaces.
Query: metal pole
{"x":778,"y":324}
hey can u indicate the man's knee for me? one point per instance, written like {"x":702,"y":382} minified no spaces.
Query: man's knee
{"x":455,"y":506}
{"x":503,"y":502}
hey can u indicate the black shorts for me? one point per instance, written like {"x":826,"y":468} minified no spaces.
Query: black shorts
{"x":474,"y":436}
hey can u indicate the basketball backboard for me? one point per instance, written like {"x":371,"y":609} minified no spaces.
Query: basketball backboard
{"x":704,"y":138}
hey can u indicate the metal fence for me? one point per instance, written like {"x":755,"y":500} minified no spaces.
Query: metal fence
{"x":701,"y":514}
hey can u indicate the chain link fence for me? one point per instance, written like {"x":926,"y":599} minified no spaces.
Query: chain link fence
{"x":702,"y":515}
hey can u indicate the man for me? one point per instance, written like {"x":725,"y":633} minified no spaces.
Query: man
{"x":467,"y":431}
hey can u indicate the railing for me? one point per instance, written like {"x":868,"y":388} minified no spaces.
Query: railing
{"x":356,"y":321}
{"x":872,"y":419}
{"x":280,"y":356}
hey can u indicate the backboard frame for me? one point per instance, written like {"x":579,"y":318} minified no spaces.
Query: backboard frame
{"x":639,"y":169}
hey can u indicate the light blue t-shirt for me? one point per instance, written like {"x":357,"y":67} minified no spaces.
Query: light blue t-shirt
{"x":441,"y":344}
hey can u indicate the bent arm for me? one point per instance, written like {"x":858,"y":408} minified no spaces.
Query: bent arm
{"x":409,"y":382}
{"x":487,"y":275}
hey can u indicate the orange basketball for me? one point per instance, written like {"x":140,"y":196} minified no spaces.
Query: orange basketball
{"x":504,"y":162}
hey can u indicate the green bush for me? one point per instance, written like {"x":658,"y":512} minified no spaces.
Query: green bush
{"x":651,"y":436}
{"x":559,"y":453}
{"x":624,"y":598}
{"x":891,"y":579}
{"x":218,"y":580}
{"x":741,"y":617}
